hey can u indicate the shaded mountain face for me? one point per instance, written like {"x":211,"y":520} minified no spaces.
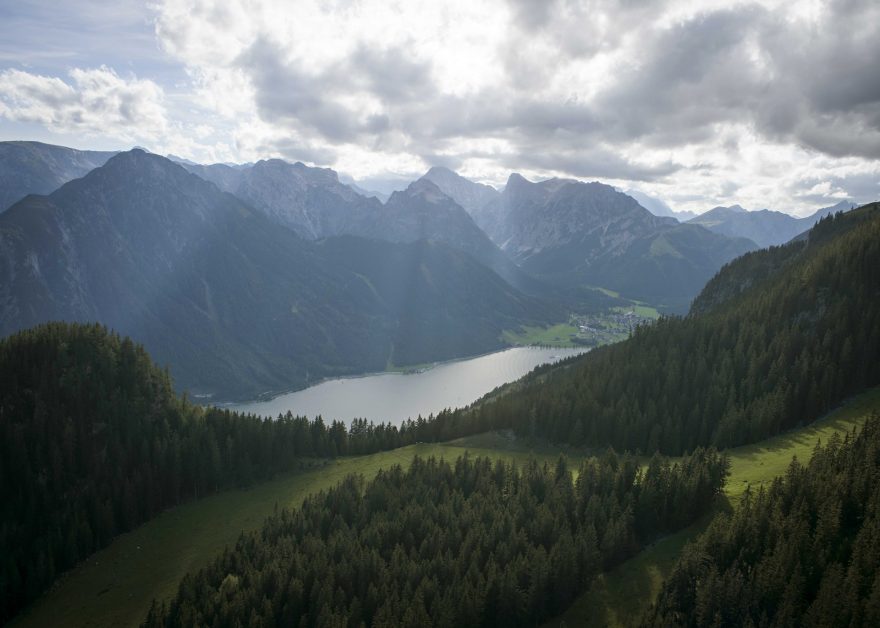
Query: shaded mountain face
{"x":314,"y":203}
{"x":424,"y":212}
{"x":235,"y":304}
{"x":764,"y":227}
{"x":588,"y":234}
{"x":473,"y":197}
{"x":310,"y":201}
{"x":37,"y":168}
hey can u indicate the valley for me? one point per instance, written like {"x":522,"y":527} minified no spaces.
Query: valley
{"x":494,"y":314}
{"x":417,"y":283}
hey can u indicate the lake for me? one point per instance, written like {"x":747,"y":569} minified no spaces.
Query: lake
{"x":394,"y":397}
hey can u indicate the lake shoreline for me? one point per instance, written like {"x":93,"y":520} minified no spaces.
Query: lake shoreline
{"x":427,"y":389}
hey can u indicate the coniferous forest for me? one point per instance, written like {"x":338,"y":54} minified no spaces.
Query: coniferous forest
{"x":463,"y":544}
{"x":94,"y":441}
{"x":803,"y":552}
{"x":764,"y":351}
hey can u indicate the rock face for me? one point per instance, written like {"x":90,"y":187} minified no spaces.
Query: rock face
{"x":37,"y":168}
{"x":764,"y":227}
{"x":576,"y":234}
{"x":233,"y":302}
{"x":311,"y":201}
{"x":473,"y":197}
{"x":314,"y":203}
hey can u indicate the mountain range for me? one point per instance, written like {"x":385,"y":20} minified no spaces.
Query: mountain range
{"x":235,"y":304}
{"x":37,"y":168}
{"x":763,"y":227}
{"x":265,"y":276}
{"x":577,"y":234}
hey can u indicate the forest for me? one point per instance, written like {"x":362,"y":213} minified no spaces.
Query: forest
{"x":94,"y":441}
{"x":803,"y":552}
{"x":467,"y":543}
{"x":756,"y":358}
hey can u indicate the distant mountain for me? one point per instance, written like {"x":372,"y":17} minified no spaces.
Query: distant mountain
{"x":311,"y":201}
{"x":424,"y":212}
{"x":764,"y":227}
{"x":314,"y":203}
{"x":474,"y":197}
{"x":576,"y":234}
{"x":658,"y":207}
{"x":381,"y":196}
{"x":842,"y":206}
{"x":37,"y":168}
{"x":235,"y":304}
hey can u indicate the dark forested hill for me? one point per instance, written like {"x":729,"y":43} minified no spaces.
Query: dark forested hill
{"x":802,"y":553}
{"x":93,"y":442}
{"x":758,"y":356}
{"x":233,"y":302}
{"x":37,"y":168}
{"x":463,"y":544}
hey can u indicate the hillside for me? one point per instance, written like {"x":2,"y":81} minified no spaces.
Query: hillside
{"x":233,"y":303}
{"x":37,"y":168}
{"x":93,"y":441}
{"x":118,"y":585}
{"x":463,"y":544}
{"x":817,"y":524}
{"x":751,"y":367}
{"x":473,"y":197}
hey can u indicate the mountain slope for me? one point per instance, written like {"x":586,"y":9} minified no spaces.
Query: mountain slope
{"x":37,"y":168}
{"x":803,"y":552}
{"x":473,"y":197}
{"x":764,"y":227}
{"x":310,"y":201}
{"x":575,"y":234}
{"x":235,"y":304}
{"x":94,"y":442}
{"x":424,"y":212}
{"x":748,"y":366}
{"x":314,"y":203}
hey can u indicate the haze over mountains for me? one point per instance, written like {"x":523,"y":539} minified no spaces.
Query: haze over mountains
{"x":271,"y":275}
{"x":763,"y":227}
{"x":235,"y":304}
{"x":576,"y":234}
{"x":37,"y":168}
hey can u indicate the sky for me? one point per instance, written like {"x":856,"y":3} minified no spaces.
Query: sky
{"x":769,"y":103}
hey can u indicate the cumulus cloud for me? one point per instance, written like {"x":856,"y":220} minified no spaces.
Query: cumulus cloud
{"x":720,"y":101}
{"x":95,"y":101}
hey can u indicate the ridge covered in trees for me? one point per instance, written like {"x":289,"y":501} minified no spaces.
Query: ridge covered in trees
{"x":802,"y":553}
{"x":94,"y":441}
{"x":446,"y":544}
{"x":753,"y":360}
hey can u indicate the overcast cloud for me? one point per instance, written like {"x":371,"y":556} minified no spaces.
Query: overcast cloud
{"x":767,"y":104}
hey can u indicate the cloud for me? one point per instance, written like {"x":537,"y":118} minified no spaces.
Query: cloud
{"x":715,"y":102}
{"x":96,"y":101}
